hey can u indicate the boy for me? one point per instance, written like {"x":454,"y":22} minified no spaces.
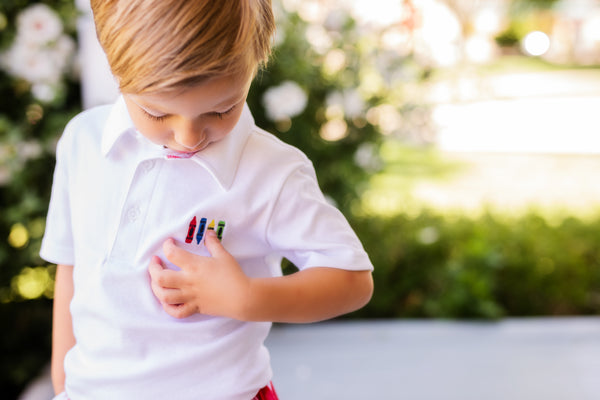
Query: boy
{"x":171,"y":211}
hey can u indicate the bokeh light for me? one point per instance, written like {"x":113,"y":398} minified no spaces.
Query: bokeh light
{"x":536,"y":43}
{"x":33,"y":283}
{"x":19,"y":236}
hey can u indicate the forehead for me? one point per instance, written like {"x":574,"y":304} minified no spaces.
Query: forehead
{"x":210,"y":93}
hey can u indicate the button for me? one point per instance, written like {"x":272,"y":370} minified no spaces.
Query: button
{"x":133,"y":213}
{"x":148,"y":165}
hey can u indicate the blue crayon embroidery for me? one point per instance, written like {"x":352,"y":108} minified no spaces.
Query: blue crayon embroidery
{"x":201,"y":228}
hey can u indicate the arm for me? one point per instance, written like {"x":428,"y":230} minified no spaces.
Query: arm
{"x":311,"y":295}
{"x":62,"y":329}
{"x":217,"y":286}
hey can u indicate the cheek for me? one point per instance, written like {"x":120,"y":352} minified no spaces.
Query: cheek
{"x":220,"y":129}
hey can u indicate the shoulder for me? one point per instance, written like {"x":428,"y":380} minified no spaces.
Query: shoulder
{"x":275,"y":166}
{"x":91,"y":121}
{"x":85,"y":128}
{"x":83,"y":132}
{"x":275,"y":152}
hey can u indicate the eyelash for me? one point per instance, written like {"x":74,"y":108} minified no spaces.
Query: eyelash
{"x":223,"y":114}
{"x":154,"y":117}
{"x":214,"y":114}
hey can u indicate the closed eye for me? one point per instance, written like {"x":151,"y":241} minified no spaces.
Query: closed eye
{"x":153,"y":117}
{"x":221,"y":115}
{"x":160,"y":118}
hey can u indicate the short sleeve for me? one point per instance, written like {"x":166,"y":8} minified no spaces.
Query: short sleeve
{"x":308,"y":231}
{"x":57,"y":243}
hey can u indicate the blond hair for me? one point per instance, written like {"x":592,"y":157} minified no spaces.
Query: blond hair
{"x":157,"y":45}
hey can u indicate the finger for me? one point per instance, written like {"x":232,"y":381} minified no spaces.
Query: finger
{"x":179,"y":310}
{"x":170,"y":297}
{"x":164,"y":277}
{"x":214,"y":245}
{"x":154,"y":269}
{"x":179,"y":256}
{"x":155,"y":266}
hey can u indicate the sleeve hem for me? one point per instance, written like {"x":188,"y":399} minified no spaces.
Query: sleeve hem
{"x":57,"y":254}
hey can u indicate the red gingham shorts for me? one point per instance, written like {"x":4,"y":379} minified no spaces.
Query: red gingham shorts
{"x":267,"y":393}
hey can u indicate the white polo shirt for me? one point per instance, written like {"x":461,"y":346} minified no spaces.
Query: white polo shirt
{"x":116,"y":197}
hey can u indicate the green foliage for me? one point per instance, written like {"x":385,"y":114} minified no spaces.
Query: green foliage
{"x":24,"y":343}
{"x":439,"y":266}
{"x":33,"y":113}
{"x":526,"y":16}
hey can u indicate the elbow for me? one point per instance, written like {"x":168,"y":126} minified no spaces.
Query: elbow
{"x":369,"y":289}
{"x":363,"y":289}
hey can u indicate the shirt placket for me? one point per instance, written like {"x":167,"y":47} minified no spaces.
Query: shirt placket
{"x":134,"y":211}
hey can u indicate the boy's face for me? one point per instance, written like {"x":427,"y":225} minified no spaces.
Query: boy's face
{"x":188,"y":121}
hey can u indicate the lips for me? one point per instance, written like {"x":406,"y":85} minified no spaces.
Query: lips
{"x":170,"y":153}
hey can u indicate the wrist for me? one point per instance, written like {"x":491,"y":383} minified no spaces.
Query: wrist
{"x":248,"y":304}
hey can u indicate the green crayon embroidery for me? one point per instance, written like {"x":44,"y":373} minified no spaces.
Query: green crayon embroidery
{"x":220,"y":229}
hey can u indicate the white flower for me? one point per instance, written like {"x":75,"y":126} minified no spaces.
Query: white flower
{"x":63,"y":52}
{"x":319,"y":38}
{"x":29,"y":150}
{"x":31,"y":63}
{"x":350,"y":101}
{"x":39,"y":64}
{"x":284,"y":101}
{"x":38,"y":24}
{"x":43,"y":92}
{"x":367,"y":158}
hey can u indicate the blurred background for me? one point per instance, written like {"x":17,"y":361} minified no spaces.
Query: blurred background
{"x":460,"y":139}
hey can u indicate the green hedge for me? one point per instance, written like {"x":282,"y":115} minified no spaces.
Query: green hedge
{"x":486,"y":267}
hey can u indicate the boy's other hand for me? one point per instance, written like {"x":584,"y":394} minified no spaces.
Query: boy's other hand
{"x":213,"y":285}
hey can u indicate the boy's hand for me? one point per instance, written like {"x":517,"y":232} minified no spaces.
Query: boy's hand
{"x":208,"y":285}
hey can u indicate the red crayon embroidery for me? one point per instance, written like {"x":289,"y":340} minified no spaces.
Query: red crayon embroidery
{"x":191,"y":229}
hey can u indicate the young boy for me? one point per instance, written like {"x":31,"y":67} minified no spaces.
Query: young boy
{"x":171,"y":212}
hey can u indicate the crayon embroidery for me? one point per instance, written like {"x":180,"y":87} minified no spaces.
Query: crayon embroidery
{"x":202,"y":228}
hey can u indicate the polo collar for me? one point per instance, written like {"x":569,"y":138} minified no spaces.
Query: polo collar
{"x":220,"y":159}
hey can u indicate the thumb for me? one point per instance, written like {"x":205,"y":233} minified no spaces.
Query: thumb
{"x":213,"y":244}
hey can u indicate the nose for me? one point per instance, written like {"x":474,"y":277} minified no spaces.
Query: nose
{"x":189,"y":134}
